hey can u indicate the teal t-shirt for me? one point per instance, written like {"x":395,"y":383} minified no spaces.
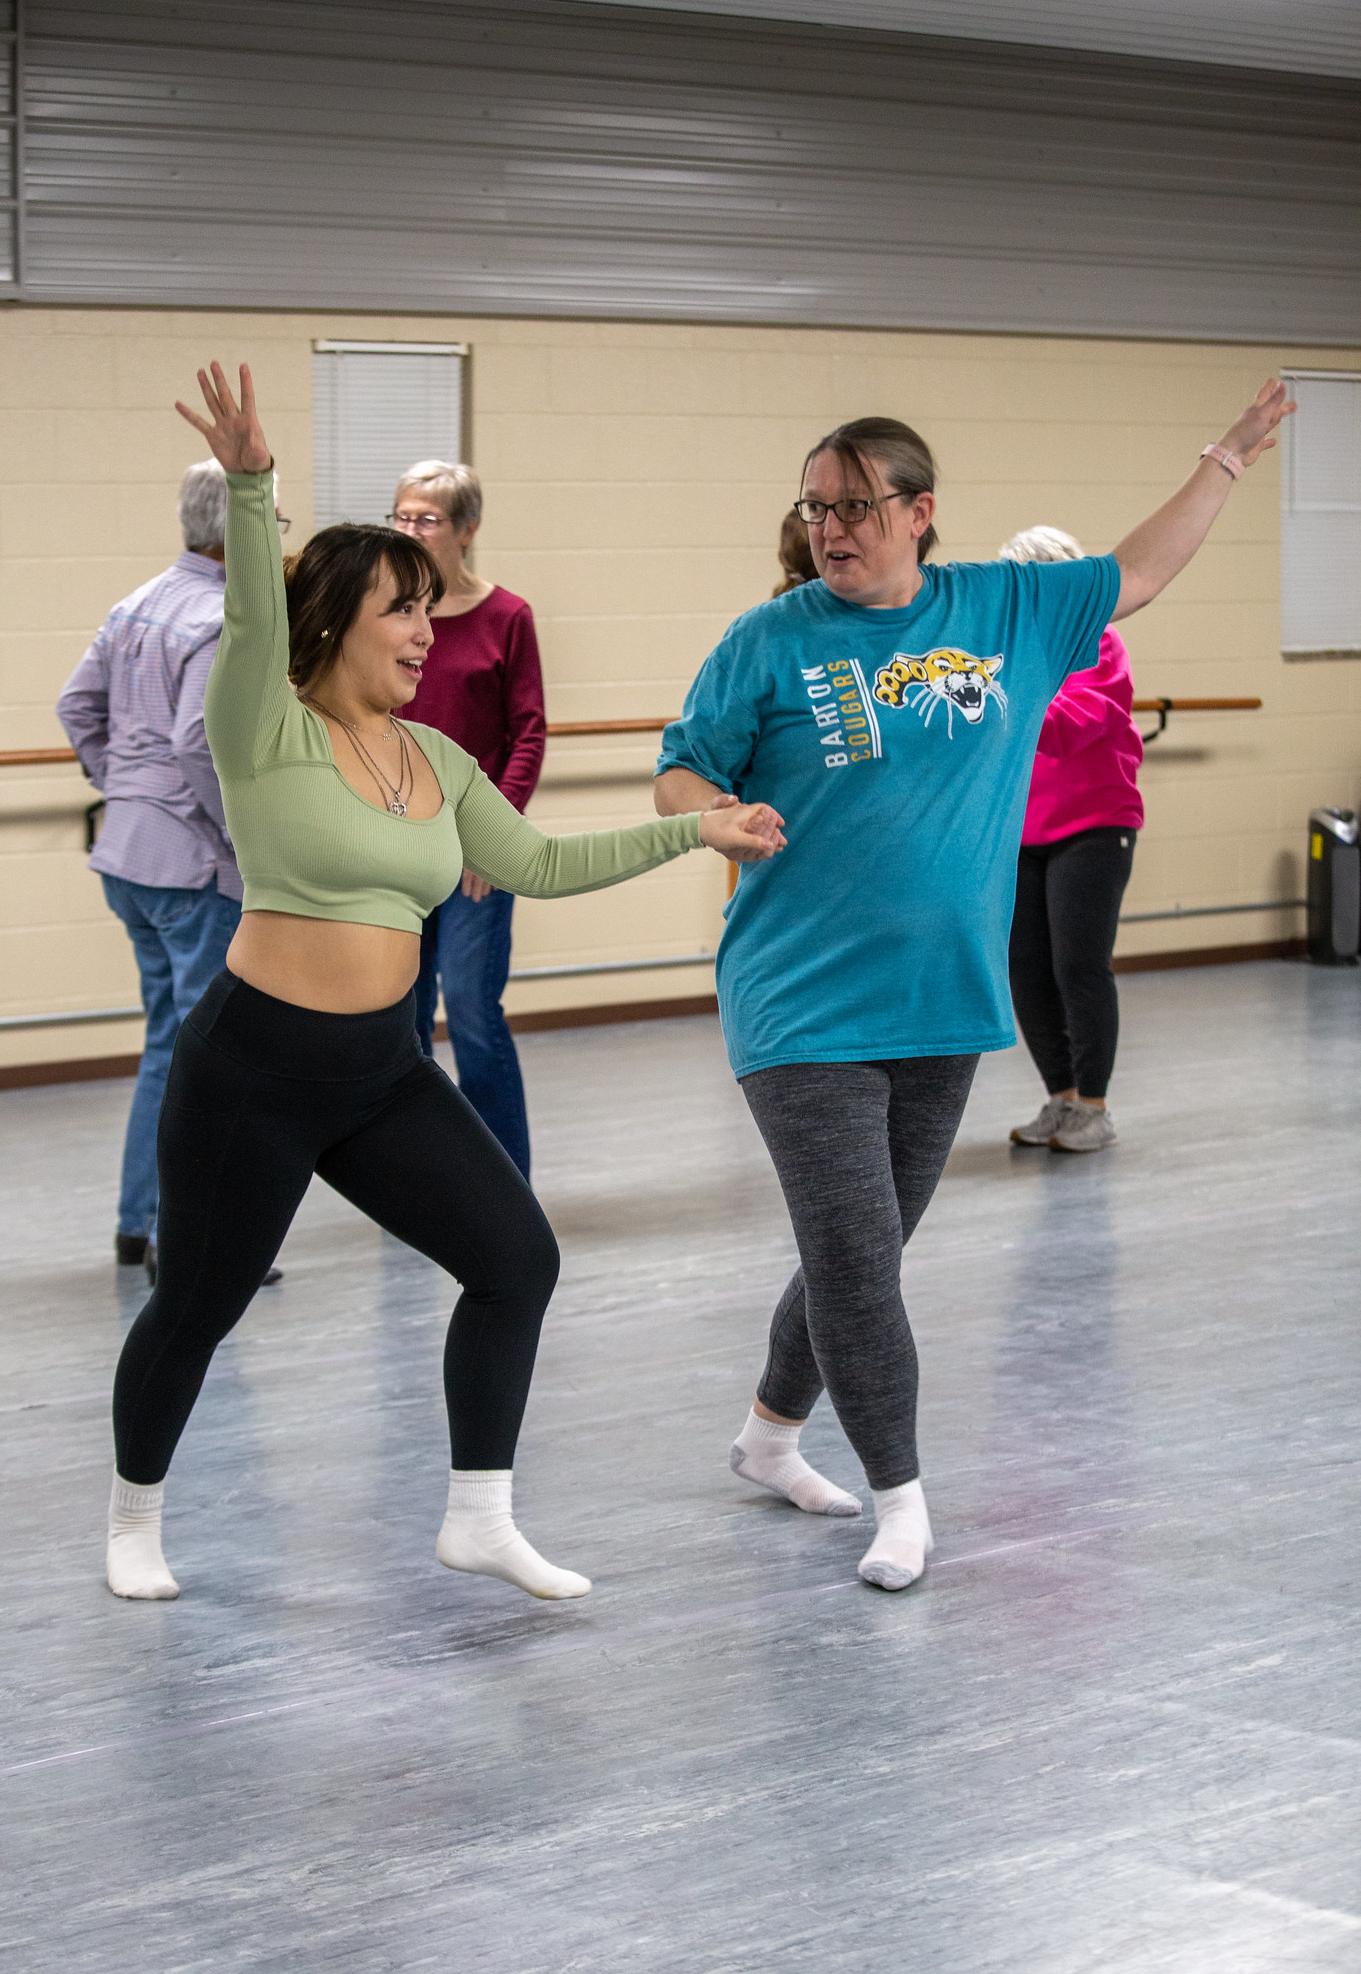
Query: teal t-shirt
{"x":898,"y":746}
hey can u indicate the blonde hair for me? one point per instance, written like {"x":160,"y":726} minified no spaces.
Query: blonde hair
{"x":456,"y":489}
{"x":1042,"y":544}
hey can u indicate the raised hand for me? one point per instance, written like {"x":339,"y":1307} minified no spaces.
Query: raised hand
{"x":747,"y":832}
{"x":234,"y":435}
{"x":1252,"y":434}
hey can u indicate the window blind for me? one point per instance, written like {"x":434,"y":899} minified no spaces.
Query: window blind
{"x":377,"y":408}
{"x":1321,"y":515}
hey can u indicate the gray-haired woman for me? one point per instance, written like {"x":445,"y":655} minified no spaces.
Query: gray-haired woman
{"x":482,"y":686}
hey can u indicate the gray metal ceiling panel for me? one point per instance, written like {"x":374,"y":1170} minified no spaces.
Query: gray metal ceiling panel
{"x":9,"y":147}
{"x":1310,"y":37}
{"x":542,"y":157}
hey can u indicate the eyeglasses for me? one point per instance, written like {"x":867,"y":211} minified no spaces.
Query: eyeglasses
{"x":424,"y":524}
{"x":850,"y":513}
{"x":284,"y":523}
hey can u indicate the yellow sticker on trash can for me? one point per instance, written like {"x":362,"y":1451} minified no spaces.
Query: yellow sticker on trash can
{"x":1316,"y":845}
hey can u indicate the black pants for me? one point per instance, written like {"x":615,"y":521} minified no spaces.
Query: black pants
{"x":859,"y":1148}
{"x":1067,"y":909}
{"x":261,"y":1095}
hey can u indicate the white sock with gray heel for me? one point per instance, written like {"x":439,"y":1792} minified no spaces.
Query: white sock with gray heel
{"x":767,"y":1454}
{"x":897,"y":1556}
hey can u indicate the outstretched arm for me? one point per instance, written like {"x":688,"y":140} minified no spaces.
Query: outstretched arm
{"x":1160,"y":547}
{"x":248,"y":696}
{"x":500,"y":845}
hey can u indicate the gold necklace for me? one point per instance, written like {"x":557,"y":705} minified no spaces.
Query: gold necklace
{"x":348,"y":725}
{"x":394,"y":799}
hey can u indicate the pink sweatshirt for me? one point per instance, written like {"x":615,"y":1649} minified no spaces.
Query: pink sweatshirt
{"x":1089,"y":753}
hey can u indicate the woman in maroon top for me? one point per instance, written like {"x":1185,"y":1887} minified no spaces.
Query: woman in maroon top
{"x":483,"y":687}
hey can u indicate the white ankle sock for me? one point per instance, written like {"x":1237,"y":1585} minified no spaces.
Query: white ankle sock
{"x":768,"y":1455}
{"x":136,"y":1567}
{"x":897,"y":1556}
{"x":479,"y":1535}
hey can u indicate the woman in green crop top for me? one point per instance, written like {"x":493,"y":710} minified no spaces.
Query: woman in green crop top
{"x":349,"y":826}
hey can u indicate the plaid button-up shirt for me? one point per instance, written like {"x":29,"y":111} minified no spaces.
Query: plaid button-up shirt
{"x":133,"y":711}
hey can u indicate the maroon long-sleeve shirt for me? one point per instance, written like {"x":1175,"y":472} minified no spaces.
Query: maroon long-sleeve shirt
{"x":483,"y":686}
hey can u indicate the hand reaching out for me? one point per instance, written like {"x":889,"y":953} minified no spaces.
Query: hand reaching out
{"x":234,"y":436}
{"x":1252,"y":434}
{"x":746,"y":832}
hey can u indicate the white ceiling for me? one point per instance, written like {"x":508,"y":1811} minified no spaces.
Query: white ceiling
{"x":1310,"y":37}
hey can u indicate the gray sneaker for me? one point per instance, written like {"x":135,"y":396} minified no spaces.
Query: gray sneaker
{"x":1042,"y":1128}
{"x":1083,"y":1128}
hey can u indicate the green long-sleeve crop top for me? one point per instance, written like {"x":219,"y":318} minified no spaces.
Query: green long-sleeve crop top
{"x":306,"y":841}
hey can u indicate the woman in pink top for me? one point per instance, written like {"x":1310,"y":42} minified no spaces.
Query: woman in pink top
{"x":1077,"y":848}
{"x":483,"y":687}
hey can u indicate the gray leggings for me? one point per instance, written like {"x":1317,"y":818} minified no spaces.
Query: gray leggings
{"x":859,"y":1148}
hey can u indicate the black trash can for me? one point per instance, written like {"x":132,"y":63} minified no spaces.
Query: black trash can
{"x":1334,"y":887}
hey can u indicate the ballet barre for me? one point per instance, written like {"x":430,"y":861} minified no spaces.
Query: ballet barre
{"x":60,"y":757}
{"x":45,"y":757}
{"x":57,"y":757}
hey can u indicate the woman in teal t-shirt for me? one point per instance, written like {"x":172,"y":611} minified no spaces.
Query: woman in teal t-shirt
{"x":893,"y":707}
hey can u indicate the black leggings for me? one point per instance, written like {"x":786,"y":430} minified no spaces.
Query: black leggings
{"x":263,"y":1094}
{"x":1067,"y":910}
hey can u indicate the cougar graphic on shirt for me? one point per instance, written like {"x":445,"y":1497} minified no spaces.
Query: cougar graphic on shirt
{"x":925,"y":681}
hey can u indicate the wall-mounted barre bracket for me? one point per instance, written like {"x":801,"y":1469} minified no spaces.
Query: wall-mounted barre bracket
{"x":1163,"y":707}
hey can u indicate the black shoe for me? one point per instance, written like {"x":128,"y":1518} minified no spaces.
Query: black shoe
{"x":130,"y":1249}
{"x":148,"y":1260}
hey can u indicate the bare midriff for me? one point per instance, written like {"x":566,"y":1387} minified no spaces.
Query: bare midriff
{"x":324,"y":963}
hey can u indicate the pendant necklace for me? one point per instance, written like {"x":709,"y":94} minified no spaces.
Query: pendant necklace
{"x":394,"y":799}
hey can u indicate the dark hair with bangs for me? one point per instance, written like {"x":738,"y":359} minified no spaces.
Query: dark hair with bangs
{"x":328,"y":580}
{"x":902,"y":455}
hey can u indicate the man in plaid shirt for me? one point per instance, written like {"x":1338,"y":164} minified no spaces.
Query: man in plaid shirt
{"x":133,"y":711}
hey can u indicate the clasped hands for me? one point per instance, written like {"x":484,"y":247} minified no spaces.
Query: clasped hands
{"x":745,"y":832}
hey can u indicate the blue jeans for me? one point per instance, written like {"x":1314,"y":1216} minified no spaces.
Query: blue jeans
{"x":181,"y":940}
{"x":465,"y":950}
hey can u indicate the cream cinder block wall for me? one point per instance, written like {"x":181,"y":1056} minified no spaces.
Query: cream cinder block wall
{"x":635,"y":477}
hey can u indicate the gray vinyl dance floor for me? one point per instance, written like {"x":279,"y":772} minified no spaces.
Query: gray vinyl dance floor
{"x":1116,"y":1728}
